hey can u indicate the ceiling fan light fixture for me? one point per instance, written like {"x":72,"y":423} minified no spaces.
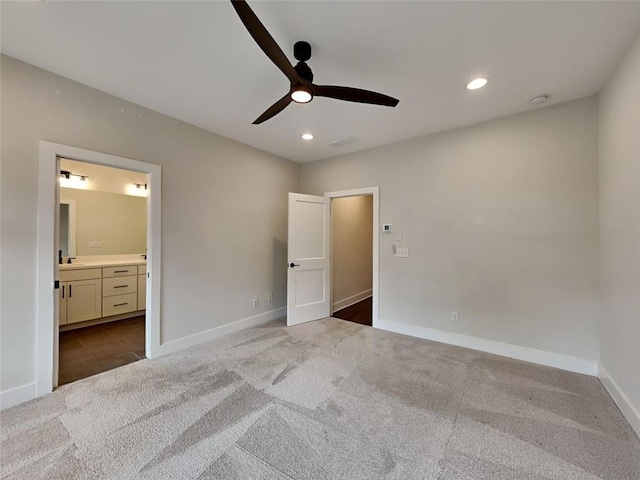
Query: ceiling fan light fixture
{"x":300,"y":76}
{"x":301,"y":94}
{"x":477,"y":83}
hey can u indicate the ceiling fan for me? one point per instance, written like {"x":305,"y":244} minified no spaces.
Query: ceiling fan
{"x":302,"y":88}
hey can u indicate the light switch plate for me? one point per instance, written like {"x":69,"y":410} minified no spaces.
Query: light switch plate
{"x":402,"y":252}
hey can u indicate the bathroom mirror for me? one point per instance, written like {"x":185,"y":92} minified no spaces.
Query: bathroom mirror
{"x":68,"y":227}
{"x":102,"y":223}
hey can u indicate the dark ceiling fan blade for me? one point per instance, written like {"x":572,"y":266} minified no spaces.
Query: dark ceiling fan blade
{"x":354,"y":95}
{"x":274,"y":109}
{"x":264,"y":39}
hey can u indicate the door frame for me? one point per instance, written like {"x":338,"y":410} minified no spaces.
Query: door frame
{"x":375,"y":191}
{"x":46,"y":264}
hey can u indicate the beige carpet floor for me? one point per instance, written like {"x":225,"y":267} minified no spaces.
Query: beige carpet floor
{"x":324,"y":400}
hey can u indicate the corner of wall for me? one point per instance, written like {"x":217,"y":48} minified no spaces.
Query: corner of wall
{"x":622,"y":401}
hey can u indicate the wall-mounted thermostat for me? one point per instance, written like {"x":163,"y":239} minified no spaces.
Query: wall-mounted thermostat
{"x":387,"y":228}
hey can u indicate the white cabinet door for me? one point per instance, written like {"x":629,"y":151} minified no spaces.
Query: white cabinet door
{"x":309,"y":262}
{"x":84,"y":300}
{"x":142,"y":292}
{"x":62,"y":302}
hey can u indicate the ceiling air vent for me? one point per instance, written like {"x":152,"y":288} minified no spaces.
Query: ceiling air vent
{"x":343,"y":142}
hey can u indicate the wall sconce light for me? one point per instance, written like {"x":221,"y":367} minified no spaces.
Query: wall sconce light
{"x":72,"y":180}
{"x":137,"y":189}
{"x":67,"y":174}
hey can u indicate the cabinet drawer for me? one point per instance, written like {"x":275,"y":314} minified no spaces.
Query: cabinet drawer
{"x":81,"y":274}
{"x":142,"y":269}
{"x":119,"y":271}
{"x":119,"y":304}
{"x":119,"y":285}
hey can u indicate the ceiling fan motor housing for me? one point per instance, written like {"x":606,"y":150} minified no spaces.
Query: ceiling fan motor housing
{"x":304,"y":71}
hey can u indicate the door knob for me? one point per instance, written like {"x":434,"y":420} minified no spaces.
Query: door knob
{"x":293,"y":265}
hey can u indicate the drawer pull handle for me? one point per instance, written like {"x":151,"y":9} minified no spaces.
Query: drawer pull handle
{"x":121,"y":271}
{"x":121,"y":304}
{"x":62,"y":291}
{"x":121,"y":286}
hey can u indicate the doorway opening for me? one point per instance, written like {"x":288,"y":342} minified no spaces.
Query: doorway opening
{"x":102,"y":225}
{"x":352,"y":258}
{"x":309,"y":255}
{"x":371,"y":194}
{"x":84,"y":281}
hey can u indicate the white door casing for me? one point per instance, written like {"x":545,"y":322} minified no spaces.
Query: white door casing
{"x":375,"y":191}
{"x":47,"y":270}
{"x":309,"y":262}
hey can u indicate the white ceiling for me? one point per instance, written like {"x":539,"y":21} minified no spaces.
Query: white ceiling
{"x":196,"y":62}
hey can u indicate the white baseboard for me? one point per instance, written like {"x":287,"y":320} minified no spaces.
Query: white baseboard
{"x":17,"y":395}
{"x":352,"y":300}
{"x":208,"y":335}
{"x":540,"y":357}
{"x":624,"y":404}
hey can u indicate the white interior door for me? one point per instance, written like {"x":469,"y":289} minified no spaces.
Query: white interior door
{"x":308,"y":266}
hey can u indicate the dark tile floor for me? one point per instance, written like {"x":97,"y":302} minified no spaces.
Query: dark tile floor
{"x":91,"y":350}
{"x":358,"y":312}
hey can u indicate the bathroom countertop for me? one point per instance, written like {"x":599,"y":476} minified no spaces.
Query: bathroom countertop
{"x":100,"y":263}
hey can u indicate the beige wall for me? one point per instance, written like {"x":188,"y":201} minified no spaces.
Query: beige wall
{"x":501,"y":222}
{"x":118,"y":221}
{"x":351,"y":249}
{"x":619,"y":259}
{"x":224,"y":210}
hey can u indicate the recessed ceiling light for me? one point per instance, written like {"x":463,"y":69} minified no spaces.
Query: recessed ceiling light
{"x":307,"y":136}
{"x":477,"y":83}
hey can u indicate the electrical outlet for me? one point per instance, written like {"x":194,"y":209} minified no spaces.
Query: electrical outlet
{"x":255,"y":303}
{"x":402,"y":252}
{"x":95,"y":244}
{"x":270,"y":297}
{"x":454,"y":317}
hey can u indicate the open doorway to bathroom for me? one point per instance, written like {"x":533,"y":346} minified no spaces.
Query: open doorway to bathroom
{"x":102,"y":225}
{"x":48,"y":309}
{"x":352,"y":258}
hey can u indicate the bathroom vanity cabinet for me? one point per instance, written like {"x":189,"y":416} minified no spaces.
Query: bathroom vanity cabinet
{"x":119,"y":290}
{"x":80,"y":295}
{"x":100,"y":292}
{"x":142,"y":287}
